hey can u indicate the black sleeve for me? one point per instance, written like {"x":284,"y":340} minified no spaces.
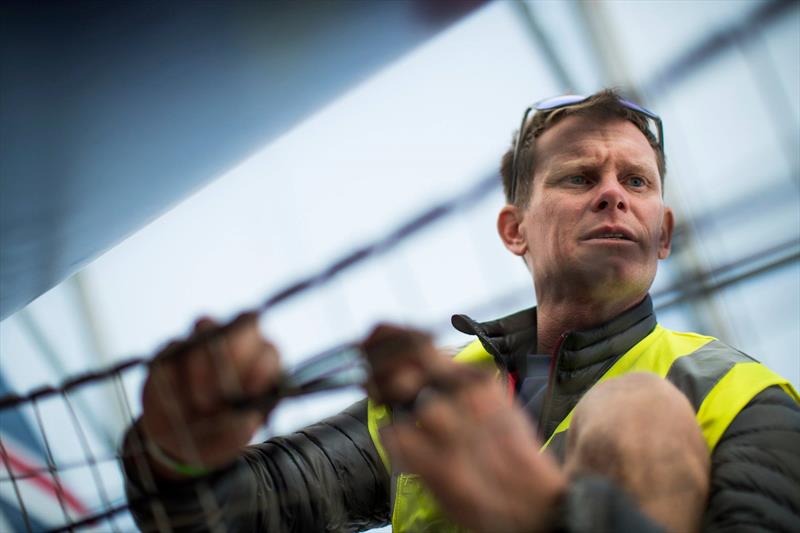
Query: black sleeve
{"x":595,"y":504}
{"x":755,"y":468}
{"x":325,"y":477}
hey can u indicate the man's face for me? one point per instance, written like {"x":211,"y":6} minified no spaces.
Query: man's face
{"x":596,"y":221}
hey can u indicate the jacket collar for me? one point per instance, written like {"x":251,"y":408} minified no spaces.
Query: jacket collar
{"x":511,"y":338}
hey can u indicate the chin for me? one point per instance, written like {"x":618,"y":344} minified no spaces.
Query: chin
{"x":617,"y":279}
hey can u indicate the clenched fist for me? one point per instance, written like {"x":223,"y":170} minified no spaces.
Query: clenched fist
{"x":188,"y":396}
{"x":472,"y":445}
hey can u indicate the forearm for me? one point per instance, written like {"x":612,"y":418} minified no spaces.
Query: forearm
{"x":224,"y":499}
{"x":326,"y":477}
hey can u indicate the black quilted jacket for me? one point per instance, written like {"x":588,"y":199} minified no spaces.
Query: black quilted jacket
{"x":328,"y":476}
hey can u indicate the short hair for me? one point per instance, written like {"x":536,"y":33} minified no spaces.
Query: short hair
{"x":603,"y":106}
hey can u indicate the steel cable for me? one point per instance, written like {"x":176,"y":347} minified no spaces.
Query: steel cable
{"x":337,"y":367}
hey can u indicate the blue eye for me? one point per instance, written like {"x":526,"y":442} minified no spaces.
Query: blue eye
{"x":576,"y":180}
{"x":637,"y":182}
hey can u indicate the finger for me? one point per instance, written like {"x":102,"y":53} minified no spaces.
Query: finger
{"x":202,"y":383}
{"x":231,"y":350}
{"x":398,"y":382}
{"x":163,"y":376}
{"x":262,"y":371}
{"x":243,"y":335}
{"x":448,"y":476}
{"x":506,"y":444}
{"x":387,"y":342}
{"x":409,"y":449}
{"x":204,"y":323}
{"x":453,"y":376}
{"x":399,"y":359}
{"x":204,"y":365}
{"x":461,"y":416}
{"x":481,"y":396}
{"x":439,"y":417}
{"x":231,"y":362}
{"x":160,"y":384}
{"x":256,"y":360}
{"x":225,"y":362}
{"x":203,"y":394}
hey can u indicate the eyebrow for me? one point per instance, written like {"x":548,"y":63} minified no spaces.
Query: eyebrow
{"x":568,"y":163}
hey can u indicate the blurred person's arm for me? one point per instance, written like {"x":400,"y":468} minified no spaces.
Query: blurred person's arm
{"x":187,"y":467}
{"x":325,"y":477}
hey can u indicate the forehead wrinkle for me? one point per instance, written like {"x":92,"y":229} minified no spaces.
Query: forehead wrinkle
{"x":580,"y":151}
{"x":590,"y":157}
{"x":578,"y":159}
{"x":582,"y":139}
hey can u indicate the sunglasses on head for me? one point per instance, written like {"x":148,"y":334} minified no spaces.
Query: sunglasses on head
{"x":567,"y":100}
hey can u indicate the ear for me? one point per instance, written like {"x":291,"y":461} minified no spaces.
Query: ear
{"x":509,"y":222}
{"x":665,"y":239}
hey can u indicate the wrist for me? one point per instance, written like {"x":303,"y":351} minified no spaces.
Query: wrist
{"x":168,"y":466}
{"x":539,"y":509}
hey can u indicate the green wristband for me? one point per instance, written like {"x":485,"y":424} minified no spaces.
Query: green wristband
{"x":161,"y":457}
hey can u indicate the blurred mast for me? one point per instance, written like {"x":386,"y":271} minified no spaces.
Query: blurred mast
{"x":543,"y":44}
{"x":54,"y":359}
{"x":99,"y":349}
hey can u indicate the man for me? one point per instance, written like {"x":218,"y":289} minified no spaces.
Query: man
{"x":442,"y":446}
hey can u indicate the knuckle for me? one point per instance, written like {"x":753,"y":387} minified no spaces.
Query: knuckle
{"x":203,"y":323}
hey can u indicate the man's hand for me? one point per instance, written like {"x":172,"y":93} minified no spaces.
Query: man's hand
{"x":187,"y":398}
{"x":401,"y":362}
{"x":476,"y":450}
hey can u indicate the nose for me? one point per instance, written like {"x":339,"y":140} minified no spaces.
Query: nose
{"x":611,"y":195}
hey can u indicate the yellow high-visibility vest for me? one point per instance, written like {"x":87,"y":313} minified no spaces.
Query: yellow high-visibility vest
{"x":718,"y":380}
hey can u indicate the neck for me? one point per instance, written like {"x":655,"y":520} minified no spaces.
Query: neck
{"x":557,"y":317}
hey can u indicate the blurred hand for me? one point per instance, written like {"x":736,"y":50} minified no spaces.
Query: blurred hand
{"x":402,"y":361}
{"x":475,"y":449}
{"x":186,"y":399}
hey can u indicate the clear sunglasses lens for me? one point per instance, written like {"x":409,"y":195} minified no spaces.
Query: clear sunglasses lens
{"x":571,"y":99}
{"x":637,"y":107}
{"x":559,"y":101}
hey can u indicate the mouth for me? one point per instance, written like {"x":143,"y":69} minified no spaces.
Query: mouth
{"x":610,"y":234}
